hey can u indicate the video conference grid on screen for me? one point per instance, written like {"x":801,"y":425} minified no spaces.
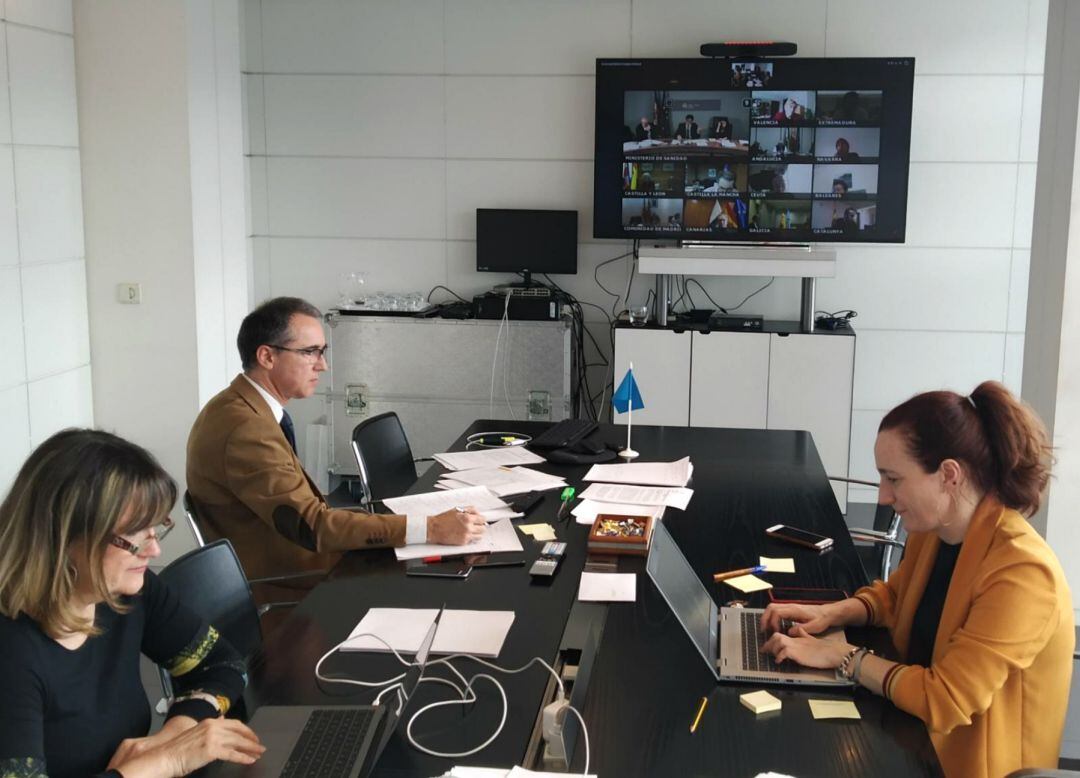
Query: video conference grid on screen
{"x":751,"y":160}
{"x":755,"y":161}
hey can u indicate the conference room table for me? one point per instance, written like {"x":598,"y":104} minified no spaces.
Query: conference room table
{"x":648,"y":679}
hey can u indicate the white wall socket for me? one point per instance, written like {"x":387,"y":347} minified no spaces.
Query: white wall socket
{"x":128,"y":293}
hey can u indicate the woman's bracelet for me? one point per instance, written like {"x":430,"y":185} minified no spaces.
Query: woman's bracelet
{"x":206,"y":697}
{"x":850,"y":666}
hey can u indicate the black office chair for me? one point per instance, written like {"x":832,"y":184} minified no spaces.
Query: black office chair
{"x":383,"y":458}
{"x":191,"y":513}
{"x":211,"y":582}
{"x":1042,"y":772}
{"x":878,"y":546}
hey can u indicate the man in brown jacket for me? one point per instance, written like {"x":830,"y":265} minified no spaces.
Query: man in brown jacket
{"x":244,"y":475}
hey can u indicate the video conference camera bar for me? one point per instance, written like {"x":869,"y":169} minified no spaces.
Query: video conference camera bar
{"x":748,"y":49}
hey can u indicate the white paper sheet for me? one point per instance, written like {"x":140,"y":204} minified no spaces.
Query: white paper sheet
{"x":608,"y":587}
{"x":673,"y":497}
{"x":509,"y":480}
{"x":777,"y":564}
{"x":432,"y":503}
{"x":586,"y":511}
{"x":644,"y":473}
{"x":480,"y":633}
{"x":488,"y":457}
{"x":499,"y":537}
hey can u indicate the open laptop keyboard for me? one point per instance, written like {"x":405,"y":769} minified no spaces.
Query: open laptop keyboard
{"x":329,"y":744}
{"x":752,"y":658}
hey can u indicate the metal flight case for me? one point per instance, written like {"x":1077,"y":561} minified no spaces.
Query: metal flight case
{"x":440,"y":375}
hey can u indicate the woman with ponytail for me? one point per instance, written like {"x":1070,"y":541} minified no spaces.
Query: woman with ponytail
{"x":979,"y":609}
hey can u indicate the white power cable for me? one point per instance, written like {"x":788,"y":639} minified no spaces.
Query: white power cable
{"x":467,"y":695}
{"x":495,"y":356}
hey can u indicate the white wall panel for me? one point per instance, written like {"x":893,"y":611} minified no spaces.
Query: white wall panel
{"x":254,"y":115}
{"x":311,"y":268}
{"x":920,"y":288}
{"x":472,"y":184}
{"x":41,"y":70}
{"x":892,"y":366}
{"x":353,"y":36}
{"x":961,"y":204}
{"x":966,"y":118}
{"x":1013,"y":371}
{"x":60,"y":401}
{"x":9,"y":236}
{"x":959,"y":36}
{"x":361,"y":116}
{"x":259,"y":251}
{"x":1031,"y":118}
{"x":360,"y":198}
{"x":54,"y":311}
{"x":258,"y":206}
{"x":1018,"y":290}
{"x":49,"y":190}
{"x":48,"y":14}
{"x":15,"y":412}
{"x":523,"y":36}
{"x":514,"y":118}
{"x":864,"y":426}
{"x":13,"y":365}
{"x":1035,"y":58}
{"x":251,"y":36}
{"x":1025,"y":205}
{"x":667,"y":29}
{"x":5,"y":103}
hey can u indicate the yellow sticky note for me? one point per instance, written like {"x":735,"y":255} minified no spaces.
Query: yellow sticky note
{"x":786,"y":565}
{"x":760,"y":702}
{"x":538,"y":531}
{"x":834,"y":709}
{"x":748,"y":583}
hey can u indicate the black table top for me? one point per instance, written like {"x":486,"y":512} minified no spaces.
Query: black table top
{"x":648,"y":678}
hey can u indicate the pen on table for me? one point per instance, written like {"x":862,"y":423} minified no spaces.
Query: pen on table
{"x":566,"y":496}
{"x":736,"y":573}
{"x":700,"y":713}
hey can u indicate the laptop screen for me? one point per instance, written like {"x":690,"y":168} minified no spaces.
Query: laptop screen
{"x":684,"y":593}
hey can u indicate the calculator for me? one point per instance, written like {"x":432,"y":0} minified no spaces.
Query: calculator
{"x":550,"y":556}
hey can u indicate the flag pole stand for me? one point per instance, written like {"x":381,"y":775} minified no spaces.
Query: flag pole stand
{"x":629,"y":453}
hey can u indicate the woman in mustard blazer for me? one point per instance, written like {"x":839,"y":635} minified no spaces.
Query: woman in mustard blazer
{"x":979,"y":608}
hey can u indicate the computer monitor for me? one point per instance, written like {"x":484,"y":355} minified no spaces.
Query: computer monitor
{"x":526,"y":241}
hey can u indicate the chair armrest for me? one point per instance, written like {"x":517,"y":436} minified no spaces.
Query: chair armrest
{"x":847,"y":480}
{"x":874,"y":537}
{"x":269,"y":606}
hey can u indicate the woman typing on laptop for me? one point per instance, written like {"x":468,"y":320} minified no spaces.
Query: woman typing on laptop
{"x":979,"y":608}
{"x":78,"y":605}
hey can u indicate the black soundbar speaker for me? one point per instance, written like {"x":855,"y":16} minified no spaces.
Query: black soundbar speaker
{"x":749,"y":49}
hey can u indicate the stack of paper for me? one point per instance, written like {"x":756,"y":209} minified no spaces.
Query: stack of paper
{"x":500,"y":535}
{"x":674,"y":497}
{"x":760,"y":702}
{"x":480,"y":633}
{"x":644,"y":473}
{"x":502,"y":772}
{"x":488,"y":457}
{"x":503,"y":480}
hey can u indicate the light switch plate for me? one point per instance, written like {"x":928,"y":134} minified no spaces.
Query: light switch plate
{"x":129,"y":294}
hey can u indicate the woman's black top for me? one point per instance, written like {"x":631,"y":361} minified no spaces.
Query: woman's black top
{"x":924,"y":626}
{"x":64,"y":712}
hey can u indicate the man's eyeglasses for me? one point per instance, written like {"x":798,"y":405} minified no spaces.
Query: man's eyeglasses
{"x":311,"y":353}
{"x":157,"y":533}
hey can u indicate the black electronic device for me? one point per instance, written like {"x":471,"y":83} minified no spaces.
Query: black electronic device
{"x":765,"y":149}
{"x":749,"y":49}
{"x":548,"y":562}
{"x":447,"y":568}
{"x":526,"y":502}
{"x":806,"y":596}
{"x":526,"y":241}
{"x":564,"y":434}
{"x":495,"y":560}
{"x":519,"y":307}
{"x":736,"y":323}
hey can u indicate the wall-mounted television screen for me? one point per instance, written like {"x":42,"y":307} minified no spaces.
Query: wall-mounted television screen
{"x":796,"y":150}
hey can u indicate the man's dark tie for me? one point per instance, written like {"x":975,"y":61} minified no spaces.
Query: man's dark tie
{"x":287,"y":428}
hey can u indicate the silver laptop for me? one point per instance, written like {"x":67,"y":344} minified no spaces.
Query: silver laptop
{"x":727,"y":638}
{"x":340,"y":741}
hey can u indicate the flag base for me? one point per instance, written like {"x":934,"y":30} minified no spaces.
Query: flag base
{"x":629,"y":453}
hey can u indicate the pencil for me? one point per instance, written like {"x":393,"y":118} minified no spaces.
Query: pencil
{"x":736,"y":573}
{"x":700,"y":713}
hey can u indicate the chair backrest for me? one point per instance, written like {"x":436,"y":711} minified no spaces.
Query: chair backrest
{"x":193,"y":519}
{"x":211,"y":582}
{"x":383,"y":457}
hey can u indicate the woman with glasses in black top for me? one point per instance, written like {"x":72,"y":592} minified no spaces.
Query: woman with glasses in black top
{"x":78,"y":605}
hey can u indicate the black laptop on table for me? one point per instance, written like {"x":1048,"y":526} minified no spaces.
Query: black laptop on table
{"x":342,"y":741}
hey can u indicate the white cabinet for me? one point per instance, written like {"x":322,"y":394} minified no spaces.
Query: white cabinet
{"x":781,"y":380}
{"x":729,"y":379}
{"x":661,"y":368}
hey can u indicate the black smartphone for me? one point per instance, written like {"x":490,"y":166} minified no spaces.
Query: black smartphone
{"x":799,"y":537}
{"x":806,"y":596}
{"x":496,"y":560}
{"x":524,"y":503}
{"x":448,"y":568}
